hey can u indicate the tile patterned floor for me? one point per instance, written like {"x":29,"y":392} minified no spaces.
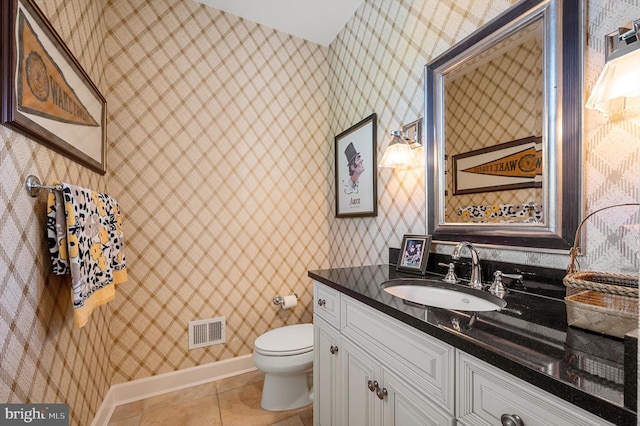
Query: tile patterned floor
{"x":234,"y":401}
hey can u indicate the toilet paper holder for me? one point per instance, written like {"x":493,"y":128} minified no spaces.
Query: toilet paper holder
{"x":277,"y":300}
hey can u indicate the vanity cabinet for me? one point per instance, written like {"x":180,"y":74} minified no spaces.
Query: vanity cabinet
{"x":379,"y":361}
{"x":370,"y":369}
{"x":486,"y":394}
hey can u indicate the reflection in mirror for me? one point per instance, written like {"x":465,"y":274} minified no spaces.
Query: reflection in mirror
{"x":503,"y":168}
{"x":493,"y":128}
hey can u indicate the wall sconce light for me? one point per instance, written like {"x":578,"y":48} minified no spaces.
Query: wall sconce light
{"x":618,"y":86}
{"x":404,"y":151}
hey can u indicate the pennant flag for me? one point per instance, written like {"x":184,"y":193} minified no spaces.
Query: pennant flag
{"x":522,"y":164}
{"x":42,"y":88}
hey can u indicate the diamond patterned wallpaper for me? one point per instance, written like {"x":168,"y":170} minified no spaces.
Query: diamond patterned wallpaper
{"x":376,"y":65}
{"x":44,"y":359}
{"x":612,"y":155}
{"x":220,"y":154}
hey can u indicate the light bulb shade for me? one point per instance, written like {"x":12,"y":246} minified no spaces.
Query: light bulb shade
{"x":618,"y":87}
{"x":418,"y":157}
{"x":397,"y":155}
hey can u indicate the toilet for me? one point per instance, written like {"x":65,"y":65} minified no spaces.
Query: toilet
{"x":285,"y":355}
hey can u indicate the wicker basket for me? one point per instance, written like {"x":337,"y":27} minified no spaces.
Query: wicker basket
{"x":606,"y":303}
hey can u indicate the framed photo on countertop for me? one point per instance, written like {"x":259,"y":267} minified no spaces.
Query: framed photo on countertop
{"x":414,"y":254}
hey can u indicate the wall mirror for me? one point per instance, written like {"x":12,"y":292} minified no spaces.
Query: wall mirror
{"x":504,"y":130}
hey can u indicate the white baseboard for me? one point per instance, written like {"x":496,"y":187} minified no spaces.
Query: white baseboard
{"x":124,"y":393}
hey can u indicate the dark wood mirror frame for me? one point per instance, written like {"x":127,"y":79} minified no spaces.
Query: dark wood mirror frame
{"x":569,"y":40}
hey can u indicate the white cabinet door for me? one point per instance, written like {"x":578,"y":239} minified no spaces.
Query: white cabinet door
{"x":360,"y":375}
{"x":414,"y":355}
{"x":404,"y":407}
{"x":374,"y":395}
{"x":326,"y":368}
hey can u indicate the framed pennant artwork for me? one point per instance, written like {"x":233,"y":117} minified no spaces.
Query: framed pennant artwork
{"x":45,"y":93}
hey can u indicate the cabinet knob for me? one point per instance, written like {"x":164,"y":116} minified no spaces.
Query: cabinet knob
{"x":511,"y":420}
{"x":381,"y":393}
{"x":333,"y":349}
{"x":373,"y":385}
{"x":322,"y":302}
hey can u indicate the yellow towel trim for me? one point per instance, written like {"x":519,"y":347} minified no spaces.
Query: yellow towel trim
{"x":119,"y":276}
{"x":99,"y":297}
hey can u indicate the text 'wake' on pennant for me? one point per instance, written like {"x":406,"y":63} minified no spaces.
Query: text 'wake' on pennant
{"x":524,"y":164}
{"x":42,"y":88}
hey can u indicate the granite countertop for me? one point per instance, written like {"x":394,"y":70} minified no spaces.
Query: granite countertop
{"x":529,"y":339}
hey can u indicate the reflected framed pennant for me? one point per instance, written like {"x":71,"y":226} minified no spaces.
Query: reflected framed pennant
{"x":45,"y":93}
{"x":510,"y":165}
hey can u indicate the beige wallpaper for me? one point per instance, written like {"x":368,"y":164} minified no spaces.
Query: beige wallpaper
{"x":218,"y":155}
{"x":43,"y":358}
{"x":376,"y":65}
{"x":221,"y":155}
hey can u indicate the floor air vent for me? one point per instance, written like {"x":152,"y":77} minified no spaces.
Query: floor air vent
{"x":206,"y":332}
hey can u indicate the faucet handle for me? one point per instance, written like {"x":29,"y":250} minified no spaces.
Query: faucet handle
{"x":497,"y":288}
{"x":451,"y":277}
{"x":527,"y":274}
{"x":513,"y":276}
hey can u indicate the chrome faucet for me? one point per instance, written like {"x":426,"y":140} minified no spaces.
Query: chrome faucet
{"x":476,"y":271}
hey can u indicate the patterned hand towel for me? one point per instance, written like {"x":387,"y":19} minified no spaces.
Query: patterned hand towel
{"x":85,"y":238}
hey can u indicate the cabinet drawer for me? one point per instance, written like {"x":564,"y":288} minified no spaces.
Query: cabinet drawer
{"x":326,"y":303}
{"x":428,"y":362}
{"x":485,"y":393}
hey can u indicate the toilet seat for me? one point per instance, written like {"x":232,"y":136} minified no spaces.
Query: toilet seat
{"x":285,"y":341}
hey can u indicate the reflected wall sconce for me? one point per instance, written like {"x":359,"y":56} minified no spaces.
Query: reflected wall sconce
{"x":405,"y":150}
{"x":618,"y":86}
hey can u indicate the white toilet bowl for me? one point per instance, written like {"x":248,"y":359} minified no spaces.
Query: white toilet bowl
{"x":285,"y":355}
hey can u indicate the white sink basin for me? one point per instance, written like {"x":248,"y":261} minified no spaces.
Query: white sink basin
{"x":443,"y":295}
